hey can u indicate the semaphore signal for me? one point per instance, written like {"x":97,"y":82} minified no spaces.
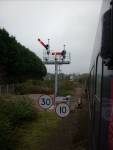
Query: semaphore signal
{"x":46,"y":46}
{"x":56,"y":58}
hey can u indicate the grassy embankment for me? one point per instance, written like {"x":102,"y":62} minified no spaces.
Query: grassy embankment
{"x":33,"y":136}
{"x":65,"y":87}
{"x":22,"y":127}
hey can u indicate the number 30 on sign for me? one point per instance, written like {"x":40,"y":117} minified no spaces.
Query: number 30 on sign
{"x":45,"y":101}
{"x":62,"y":110}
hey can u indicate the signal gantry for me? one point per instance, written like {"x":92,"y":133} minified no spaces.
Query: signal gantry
{"x":55,"y":57}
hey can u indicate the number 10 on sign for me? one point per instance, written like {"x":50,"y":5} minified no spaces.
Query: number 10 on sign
{"x":62,"y":110}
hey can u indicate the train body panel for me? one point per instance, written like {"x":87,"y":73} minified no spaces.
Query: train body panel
{"x":100,"y":87}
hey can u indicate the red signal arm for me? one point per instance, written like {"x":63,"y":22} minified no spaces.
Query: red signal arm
{"x":56,"y":53}
{"x":42,"y":43}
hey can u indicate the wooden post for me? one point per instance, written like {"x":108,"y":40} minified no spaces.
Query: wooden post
{"x":7,"y":89}
{"x":45,"y":120}
{"x":0,"y":90}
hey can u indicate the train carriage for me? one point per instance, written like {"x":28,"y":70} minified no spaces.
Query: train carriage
{"x":100,"y":83}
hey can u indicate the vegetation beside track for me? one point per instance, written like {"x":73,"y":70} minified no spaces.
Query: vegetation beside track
{"x":34,"y":135}
{"x":14,"y":111}
{"x":80,"y":140}
{"x":22,"y":127}
{"x":71,"y":132}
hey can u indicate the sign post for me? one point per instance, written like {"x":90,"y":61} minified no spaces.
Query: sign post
{"x":56,"y":77}
{"x":45,"y":102}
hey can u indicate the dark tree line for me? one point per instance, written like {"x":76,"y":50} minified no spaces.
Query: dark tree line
{"x":18,"y":63}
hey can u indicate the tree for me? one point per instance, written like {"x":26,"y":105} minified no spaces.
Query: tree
{"x":17,"y":61}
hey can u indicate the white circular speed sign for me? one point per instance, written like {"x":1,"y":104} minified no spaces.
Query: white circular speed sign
{"x":62,"y":110}
{"x":45,"y":101}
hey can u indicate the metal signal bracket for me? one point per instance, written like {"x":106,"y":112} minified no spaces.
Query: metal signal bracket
{"x":56,"y":58}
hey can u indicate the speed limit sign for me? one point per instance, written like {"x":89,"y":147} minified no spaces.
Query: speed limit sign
{"x":62,"y":110}
{"x":45,"y":101}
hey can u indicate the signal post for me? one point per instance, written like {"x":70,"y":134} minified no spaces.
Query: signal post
{"x":56,"y":58}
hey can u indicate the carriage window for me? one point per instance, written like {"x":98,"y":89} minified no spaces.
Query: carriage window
{"x":98,"y":77}
{"x":92,"y":83}
{"x":106,"y":48}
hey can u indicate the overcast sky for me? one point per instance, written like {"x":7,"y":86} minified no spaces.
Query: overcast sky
{"x":73,"y":23}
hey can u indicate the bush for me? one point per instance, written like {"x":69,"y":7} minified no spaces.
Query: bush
{"x":66,"y":87}
{"x":14,"y":111}
{"x":5,"y":132}
{"x":34,"y":87}
{"x":24,"y":110}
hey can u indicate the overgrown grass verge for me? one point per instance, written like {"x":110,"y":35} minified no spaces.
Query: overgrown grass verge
{"x":33,"y":136}
{"x":34,"y":87}
{"x":22,"y":127}
{"x":14,"y":111}
{"x":81,"y":139}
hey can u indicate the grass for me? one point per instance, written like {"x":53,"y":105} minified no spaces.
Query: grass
{"x":37,"y":133}
{"x":14,"y":111}
{"x":22,"y":127}
{"x":33,"y":136}
{"x":81,"y":139}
